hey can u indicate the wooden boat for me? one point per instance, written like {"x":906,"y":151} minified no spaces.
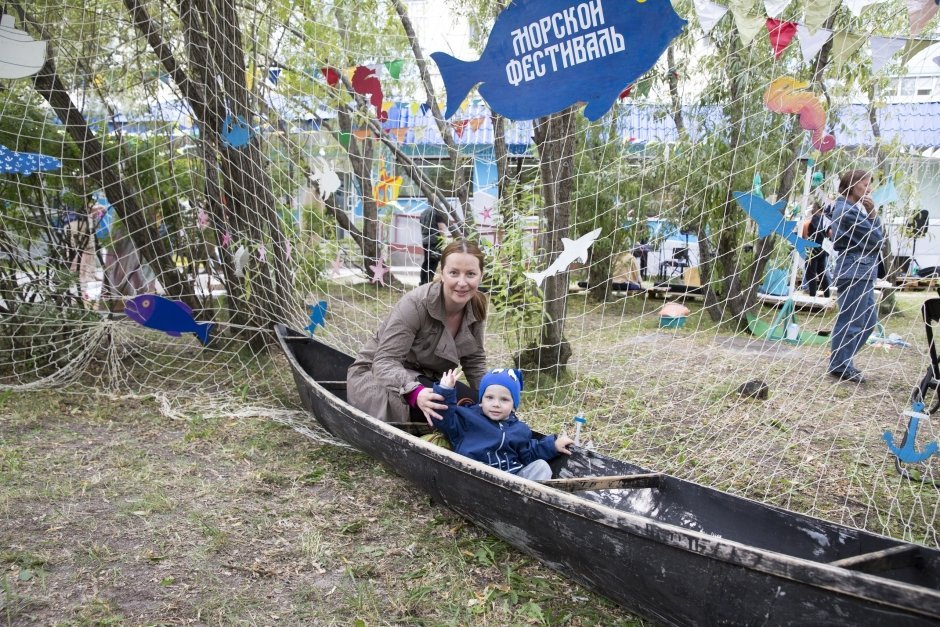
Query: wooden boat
{"x":670,"y":550}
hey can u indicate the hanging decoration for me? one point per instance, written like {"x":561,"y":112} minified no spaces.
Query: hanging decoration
{"x":770,"y":220}
{"x":708,"y":13}
{"x":20,"y":54}
{"x":786,"y":95}
{"x":379,"y":270}
{"x":920,"y":13}
{"x":235,"y":131}
{"x":26,"y":163}
{"x":780,"y":35}
{"x":386,"y":189}
{"x":883,"y":50}
{"x":573,"y":250}
{"x":365,"y":82}
{"x":534,"y":65}
{"x":394,"y":68}
{"x":326,"y":180}
{"x":162,"y":314}
{"x":317,"y":317}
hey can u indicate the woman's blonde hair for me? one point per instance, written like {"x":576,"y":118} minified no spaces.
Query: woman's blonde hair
{"x":468,"y":247}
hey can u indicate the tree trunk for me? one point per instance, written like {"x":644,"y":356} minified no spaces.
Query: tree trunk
{"x":117,"y":188}
{"x":556,"y":139}
{"x":461,"y":182}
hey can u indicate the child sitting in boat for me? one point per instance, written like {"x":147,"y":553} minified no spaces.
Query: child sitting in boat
{"x":491,"y":433}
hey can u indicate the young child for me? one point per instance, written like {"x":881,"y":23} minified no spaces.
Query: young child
{"x":491,"y":433}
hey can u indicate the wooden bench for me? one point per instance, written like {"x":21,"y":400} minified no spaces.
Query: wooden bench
{"x":900,"y":556}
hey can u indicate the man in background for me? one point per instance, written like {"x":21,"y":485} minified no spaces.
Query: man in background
{"x":433,"y":231}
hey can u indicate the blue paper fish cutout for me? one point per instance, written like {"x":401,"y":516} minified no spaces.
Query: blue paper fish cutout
{"x":544,"y":55}
{"x":317,"y":316}
{"x":235,"y":131}
{"x":770,"y":219}
{"x":170,"y":316}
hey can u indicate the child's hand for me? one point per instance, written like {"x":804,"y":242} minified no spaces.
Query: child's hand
{"x":563,"y":444}
{"x":449,"y":379}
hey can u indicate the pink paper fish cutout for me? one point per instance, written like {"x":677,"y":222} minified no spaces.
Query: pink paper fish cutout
{"x":365,"y":82}
{"x":786,"y":95}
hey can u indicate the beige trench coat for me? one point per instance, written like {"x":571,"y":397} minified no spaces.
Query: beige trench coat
{"x":413,"y":340}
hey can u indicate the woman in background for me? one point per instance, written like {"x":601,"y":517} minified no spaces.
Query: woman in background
{"x":857,"y":235}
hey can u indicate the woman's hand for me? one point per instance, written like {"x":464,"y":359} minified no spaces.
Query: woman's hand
{"x":869,"y":205}
{"x":563,"y":444}
{"x":430,"y":402}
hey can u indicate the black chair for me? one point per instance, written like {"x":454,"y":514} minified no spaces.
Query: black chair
{"x":931,"y":382}
{"x":679,"y":262}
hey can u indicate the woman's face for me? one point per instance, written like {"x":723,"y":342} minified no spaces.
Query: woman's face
{"x":461,"y":276}
{"x":861,"y":189}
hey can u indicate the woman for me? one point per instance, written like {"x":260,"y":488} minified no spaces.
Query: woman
{"x":857,"y":236}
{"x":432,"y":329}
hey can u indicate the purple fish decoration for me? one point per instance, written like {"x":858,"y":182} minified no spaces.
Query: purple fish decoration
{"x":544,"y":55}
{"x":170,"y":316}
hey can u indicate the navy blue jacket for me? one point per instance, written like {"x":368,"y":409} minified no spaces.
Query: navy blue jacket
{"x":857,"y":239}
{"x":505,"y":444}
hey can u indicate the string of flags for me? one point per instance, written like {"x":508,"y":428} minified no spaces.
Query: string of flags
{"x":810,"y":33}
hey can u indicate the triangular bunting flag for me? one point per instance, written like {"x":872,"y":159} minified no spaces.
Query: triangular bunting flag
{"x":817,"y":12}
{"x":625,"y":93}
{"x":331,"y":75}
{"x":882,"y":49}
{"x":776,"y":7}
{"x":844,"y":44}
{"x":708,"y":14}
{"x":780,"y":34}
{"x":748,"y":25}
{"x":476,"y":123}
{"x":344,"y":140}
{"x":425,"y":108}
{"x":643,"y":87}
{"x":920,"y":12}
{"x":459,"y":127}
{"x":394,"y":68}
{"x":413,"y":108}
{"x":856,"y":6}
{"x":913,"y":46}
{"x":810,"y":43}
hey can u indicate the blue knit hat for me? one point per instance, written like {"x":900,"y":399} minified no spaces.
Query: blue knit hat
{"x":509,"y":378}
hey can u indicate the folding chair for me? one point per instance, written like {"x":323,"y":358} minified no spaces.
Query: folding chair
{"x":919,"y":397}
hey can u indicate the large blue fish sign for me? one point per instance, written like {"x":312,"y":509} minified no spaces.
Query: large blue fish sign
{"x":544,"y":55}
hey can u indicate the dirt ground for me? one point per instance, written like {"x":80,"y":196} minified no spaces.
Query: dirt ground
{"x":113,"y":514}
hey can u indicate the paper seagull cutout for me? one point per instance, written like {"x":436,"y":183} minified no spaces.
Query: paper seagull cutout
{"x":20,"y":54}
{"x":317,"y":316}
{"x":235,"y":131}
{"x":769,"y":219}
{"x":240,"y":258}
{"x":574,"y":249}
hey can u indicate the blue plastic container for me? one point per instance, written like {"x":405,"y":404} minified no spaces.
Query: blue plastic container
{"x":776,"y":283}
{"x":671,"y":322}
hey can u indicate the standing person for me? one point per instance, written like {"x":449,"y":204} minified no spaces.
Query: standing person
{"x":434,"y":328}
{"x":817,"y":277}
{"x":433,"y":230}
{"x":491,"y":433}
{"x":857,"y":236}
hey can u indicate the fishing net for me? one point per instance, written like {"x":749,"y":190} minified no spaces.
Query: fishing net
{"x":270,"y":165}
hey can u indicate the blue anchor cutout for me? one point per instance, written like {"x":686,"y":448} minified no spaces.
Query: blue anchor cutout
{"x":317,"y":316}
{"x":235,"y":131}
{"x":909,"y":454}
